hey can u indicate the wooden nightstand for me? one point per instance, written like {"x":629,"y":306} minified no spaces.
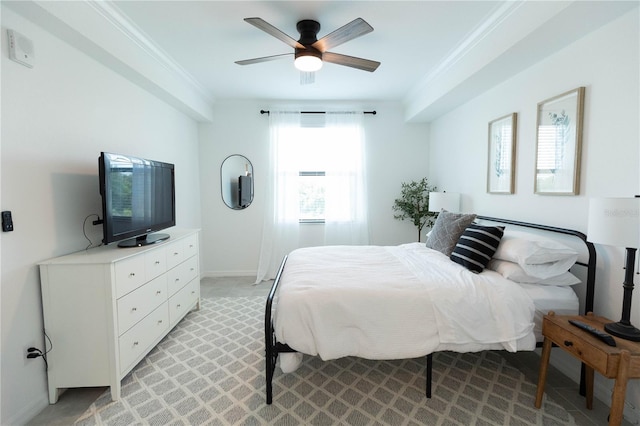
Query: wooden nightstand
{"x":621,"y":362}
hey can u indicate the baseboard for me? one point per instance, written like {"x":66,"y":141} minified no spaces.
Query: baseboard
{"x":28,"y":412}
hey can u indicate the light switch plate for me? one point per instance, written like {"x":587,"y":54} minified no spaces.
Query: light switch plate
{"x":7,"y":221}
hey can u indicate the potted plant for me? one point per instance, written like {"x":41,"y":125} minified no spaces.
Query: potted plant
{"x":413,"y":204}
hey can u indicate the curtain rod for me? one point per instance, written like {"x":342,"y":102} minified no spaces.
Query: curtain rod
{"x":262,"y":111}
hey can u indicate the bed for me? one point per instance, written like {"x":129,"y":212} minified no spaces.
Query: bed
{"x":410,"y":301}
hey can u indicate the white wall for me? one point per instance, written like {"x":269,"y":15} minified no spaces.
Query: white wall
{"x":396,"y":152}
{"x":606,"y":62}
{"x":56,"y":118}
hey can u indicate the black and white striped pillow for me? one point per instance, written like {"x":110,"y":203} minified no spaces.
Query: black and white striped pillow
{"x":476,"y":246}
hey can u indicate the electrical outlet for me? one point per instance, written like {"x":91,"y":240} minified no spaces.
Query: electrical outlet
{"x":25,"y":352}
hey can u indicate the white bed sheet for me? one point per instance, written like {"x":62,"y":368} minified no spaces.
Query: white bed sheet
{"x":386,"y":309}
{"x":560,"y":299}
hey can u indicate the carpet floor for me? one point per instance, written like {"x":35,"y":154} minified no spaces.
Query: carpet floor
{"x":209,"y":370}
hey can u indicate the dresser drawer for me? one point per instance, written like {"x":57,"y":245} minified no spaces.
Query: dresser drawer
{"x":179,"y":276}
{"x":190,"y":246}
{"x":140,"y":302}
{"x":183,"y":300}
{"x":578,"y":347}
{"x":175,"y":254}
{"x":155,"y":263}
{"x":129,"y":275}
{"x":138,"y":340}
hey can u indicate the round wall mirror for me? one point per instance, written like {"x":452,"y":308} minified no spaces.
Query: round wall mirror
{"x":236,"y":179}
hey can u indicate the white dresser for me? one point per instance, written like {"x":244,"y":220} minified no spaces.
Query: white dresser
{"x":106,"y":308}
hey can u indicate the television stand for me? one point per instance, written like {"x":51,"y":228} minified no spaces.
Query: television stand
{"x":143,"y":240}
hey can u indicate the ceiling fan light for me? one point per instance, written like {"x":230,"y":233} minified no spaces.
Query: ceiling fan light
{"x":308,"y":62}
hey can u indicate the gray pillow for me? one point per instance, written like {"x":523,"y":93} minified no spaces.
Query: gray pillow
{"x":447,"y":231}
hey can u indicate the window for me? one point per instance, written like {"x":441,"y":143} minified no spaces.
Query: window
{"x":316,"y":175}
{"x":311,"y":187}
{"x":326,"y":162}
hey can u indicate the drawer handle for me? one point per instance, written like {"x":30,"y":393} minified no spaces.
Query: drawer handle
{"x":157,"y":262}
{"x":568,"y":343}
{"x":132,"y":274}
{"x":178,"y":305}
{"x":135,"y":343}
{"x":159,"y":321}
{"x":177,"y":279}
{"x":134,"y":309}
{"x":192,"y":269}
{"x":175,"y":253}
{"x":159,"y":292}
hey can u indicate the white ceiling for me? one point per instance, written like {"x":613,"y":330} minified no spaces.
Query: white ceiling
{"x":434,"y":55}
{"x":409,"y":39}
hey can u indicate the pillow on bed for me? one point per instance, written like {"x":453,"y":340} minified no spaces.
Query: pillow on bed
{"x":538,"y":256}
{"x":447,"y":230}
{"x":476,"y":246}
{"x":514,"y":272}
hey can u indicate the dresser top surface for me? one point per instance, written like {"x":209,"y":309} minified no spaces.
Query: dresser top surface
{"x":112,"y":253}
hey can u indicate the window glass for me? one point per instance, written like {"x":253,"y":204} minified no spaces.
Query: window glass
{"x":312,"y":196}
{"x":310,"y":152}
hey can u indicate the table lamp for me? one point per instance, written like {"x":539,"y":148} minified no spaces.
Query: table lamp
{"x":449,"y":201}
{"x":616,"y":222}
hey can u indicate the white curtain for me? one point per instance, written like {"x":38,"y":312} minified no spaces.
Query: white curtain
{"x":342,"y":144}
{"x":345,"y":193}
{"x":281,"y":227}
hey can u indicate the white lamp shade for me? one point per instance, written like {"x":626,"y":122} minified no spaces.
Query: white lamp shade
{"x":449,"y":201}
{"x":614,"y":222}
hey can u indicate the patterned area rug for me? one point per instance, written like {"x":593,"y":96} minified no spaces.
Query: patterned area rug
{"x":210,"y":371}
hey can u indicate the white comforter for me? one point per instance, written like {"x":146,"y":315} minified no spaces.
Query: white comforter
{"x":395,"y":302}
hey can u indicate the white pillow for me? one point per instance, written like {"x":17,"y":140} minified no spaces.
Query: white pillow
{"x":514,"y":272}
{"x":539,"y":257}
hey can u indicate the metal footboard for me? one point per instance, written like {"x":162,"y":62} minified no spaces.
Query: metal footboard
{"x":272,"y":346}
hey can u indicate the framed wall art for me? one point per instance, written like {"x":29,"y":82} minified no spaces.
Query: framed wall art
{"x":502,"y":155}
{"x":559,"y":144}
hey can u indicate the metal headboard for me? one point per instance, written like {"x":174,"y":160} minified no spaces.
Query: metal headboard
{"x":591,"y":262}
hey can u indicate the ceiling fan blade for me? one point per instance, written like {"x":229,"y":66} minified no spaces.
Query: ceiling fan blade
{"x":263,"y":59}
{"x":271,"y":30}
{"x":353,"y":29}
{"x":350,"y":61}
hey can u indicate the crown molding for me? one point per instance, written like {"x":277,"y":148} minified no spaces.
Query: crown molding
{"x":114,"y":15}
{"x":516,"y":36}
{"x":100,"y":31}
{"x":489,"y":54}
{"x":501,"y":13}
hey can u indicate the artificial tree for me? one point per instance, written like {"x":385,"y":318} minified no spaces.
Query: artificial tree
{"x":413,"y":204}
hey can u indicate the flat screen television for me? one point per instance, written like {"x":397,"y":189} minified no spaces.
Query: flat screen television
{"x":138,"y":199}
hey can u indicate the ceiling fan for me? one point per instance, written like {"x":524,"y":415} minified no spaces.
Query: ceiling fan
{"x":309,"y":52}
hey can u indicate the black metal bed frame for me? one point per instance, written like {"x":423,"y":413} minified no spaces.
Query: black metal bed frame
{"x":273,"y":347}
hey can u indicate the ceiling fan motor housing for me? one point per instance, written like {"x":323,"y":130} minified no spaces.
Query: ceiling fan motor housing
{"x":308,"y":30}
